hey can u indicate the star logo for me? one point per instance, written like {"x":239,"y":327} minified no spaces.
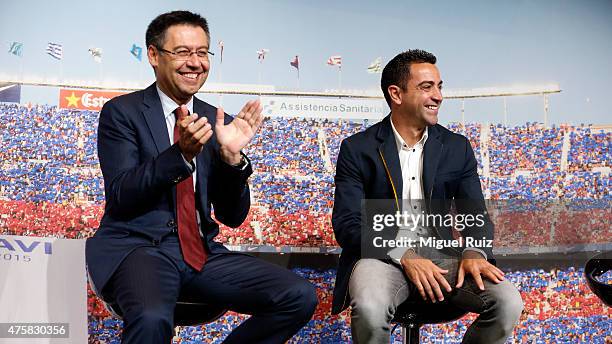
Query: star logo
{"x":72,"y":100}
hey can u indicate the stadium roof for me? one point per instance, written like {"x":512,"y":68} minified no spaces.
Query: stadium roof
{"x":270,"y":90}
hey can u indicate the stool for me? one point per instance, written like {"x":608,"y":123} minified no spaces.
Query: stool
{"x":594,"y":268}
{"x":185,"y":313}
{"x":411,"y":315}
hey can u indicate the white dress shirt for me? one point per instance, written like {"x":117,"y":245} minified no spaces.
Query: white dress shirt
{"x":411,"y":164}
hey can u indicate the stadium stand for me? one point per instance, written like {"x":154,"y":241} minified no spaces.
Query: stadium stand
{"x":50,"y":185}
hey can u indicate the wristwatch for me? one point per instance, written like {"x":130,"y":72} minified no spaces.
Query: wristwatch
{"x":242,"y":164}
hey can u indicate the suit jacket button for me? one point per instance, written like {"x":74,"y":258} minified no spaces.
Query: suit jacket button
{"x":156,"y":242}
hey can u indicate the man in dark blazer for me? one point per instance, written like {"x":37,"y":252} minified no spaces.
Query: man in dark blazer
{"x":167,"y":159}
{"x":408,"y":157}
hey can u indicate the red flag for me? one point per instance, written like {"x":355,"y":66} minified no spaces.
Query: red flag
{"x":335,"y":60}
{"x":295,"y":63}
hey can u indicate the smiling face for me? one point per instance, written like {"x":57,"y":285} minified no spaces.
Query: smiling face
{"x":420,"y":101}
{"x":180,"y":79}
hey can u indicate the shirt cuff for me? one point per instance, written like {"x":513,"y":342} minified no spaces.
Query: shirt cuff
{"x":189,"y":164}
{"x":475,"y":250}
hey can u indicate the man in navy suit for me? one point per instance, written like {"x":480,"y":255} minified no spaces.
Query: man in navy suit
{"x":412,"y":161}
{"x":167,"y":159}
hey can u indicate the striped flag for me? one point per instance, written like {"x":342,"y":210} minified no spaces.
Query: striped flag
{"x":221,"y":50}
{"x":55,"y":50}
{"x":16,"y":48}
{"x":96,"y":53}
{"x":295,"y":62}
{"x":136,"y":51}
{"x":376,"y":66}
{"x":261,"y":54}
{"x":335,"y":60}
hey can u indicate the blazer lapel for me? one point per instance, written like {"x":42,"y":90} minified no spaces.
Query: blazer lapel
{"x":390,"y":158}
{"x":154,"y":117}
{"x":431,"y":158}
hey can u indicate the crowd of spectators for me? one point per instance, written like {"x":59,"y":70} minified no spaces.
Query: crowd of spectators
{"x":472,"y":132}
{"x":527,"y":147}
{"x":287,"y":145}
{"x":46,"y":133}
{"x":338,"y":130}
{"x":49,"y":161}
{"x":47,"y":219}
{"x":559,"y":308}
{"x":292,"y":193}
{"x":589,"y":148}
{"x":553,"y":185}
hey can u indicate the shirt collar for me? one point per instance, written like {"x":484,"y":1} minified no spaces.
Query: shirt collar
{"x":399,"y":141}
{"x":169,"y":105}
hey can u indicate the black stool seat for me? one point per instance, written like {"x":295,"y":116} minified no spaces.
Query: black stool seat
{"x":411,"y":315}
{"x":596,"y":267}
{"x":187,"y":313}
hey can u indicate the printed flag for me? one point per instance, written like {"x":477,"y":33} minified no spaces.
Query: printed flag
{"x":16,"y":48}
{"x":335,"y":60}
{"x":55,"y":50}
{"x":295,"y":63}
{"x":261,"y":54}
{"x":376,"y":66}
{"x":136,"y":52}
{"x":96,"y":53}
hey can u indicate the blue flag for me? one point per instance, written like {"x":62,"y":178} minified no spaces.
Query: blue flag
{"x":16,"y":48}
{"x":137,"y":52}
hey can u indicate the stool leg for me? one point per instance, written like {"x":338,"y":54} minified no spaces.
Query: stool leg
{"x":413,"y":335}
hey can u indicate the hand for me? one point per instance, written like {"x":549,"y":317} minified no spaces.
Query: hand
{"x":193,"y":133}
{"x":234,"y":136}
{"x":426,"y":276}
{"x":474,"y":263}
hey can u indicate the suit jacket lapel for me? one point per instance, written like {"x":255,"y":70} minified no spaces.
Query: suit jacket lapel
{"x":154,"y":116}
{"x":431,"y":158}
{"x":390,"y":156}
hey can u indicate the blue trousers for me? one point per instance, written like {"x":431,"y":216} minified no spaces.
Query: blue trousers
{"x":150,"y":281}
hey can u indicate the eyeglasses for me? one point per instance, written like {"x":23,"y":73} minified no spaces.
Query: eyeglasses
{"x":185,"y":54}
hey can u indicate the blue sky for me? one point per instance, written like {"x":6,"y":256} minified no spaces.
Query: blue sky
{"x":478,"y":44}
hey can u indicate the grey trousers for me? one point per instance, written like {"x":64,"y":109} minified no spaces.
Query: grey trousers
{"x":377,"y":288}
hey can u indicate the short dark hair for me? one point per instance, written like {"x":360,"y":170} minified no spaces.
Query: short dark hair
{"x":156,"y":32}
{"x":397,"y":71}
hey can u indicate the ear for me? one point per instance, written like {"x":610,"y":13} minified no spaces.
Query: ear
{"x":153,"y":56}
{"x":395,"y":93}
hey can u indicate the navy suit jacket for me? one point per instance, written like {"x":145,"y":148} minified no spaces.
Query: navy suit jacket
{"x":449,"y":172}
{"x":141,"y":169}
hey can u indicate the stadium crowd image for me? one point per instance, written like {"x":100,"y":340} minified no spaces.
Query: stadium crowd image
{"x":149,"y":214}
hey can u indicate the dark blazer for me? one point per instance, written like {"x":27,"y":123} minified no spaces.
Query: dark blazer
{"x":141,"y":169}
{"x":369,"y":168}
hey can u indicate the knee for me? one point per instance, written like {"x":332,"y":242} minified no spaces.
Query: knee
{"x":149,"y":319}
{"x":372,"y":310}
{"x":303,"y":296}
{"x":513,"y":306}
{"x":509,"y":307}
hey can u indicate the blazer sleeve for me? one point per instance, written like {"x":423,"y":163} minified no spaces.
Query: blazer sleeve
{"x":133,"y":183}
{"x":229,"y":190}
{"x":470,"y":200}
{"x":346,"y":215}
